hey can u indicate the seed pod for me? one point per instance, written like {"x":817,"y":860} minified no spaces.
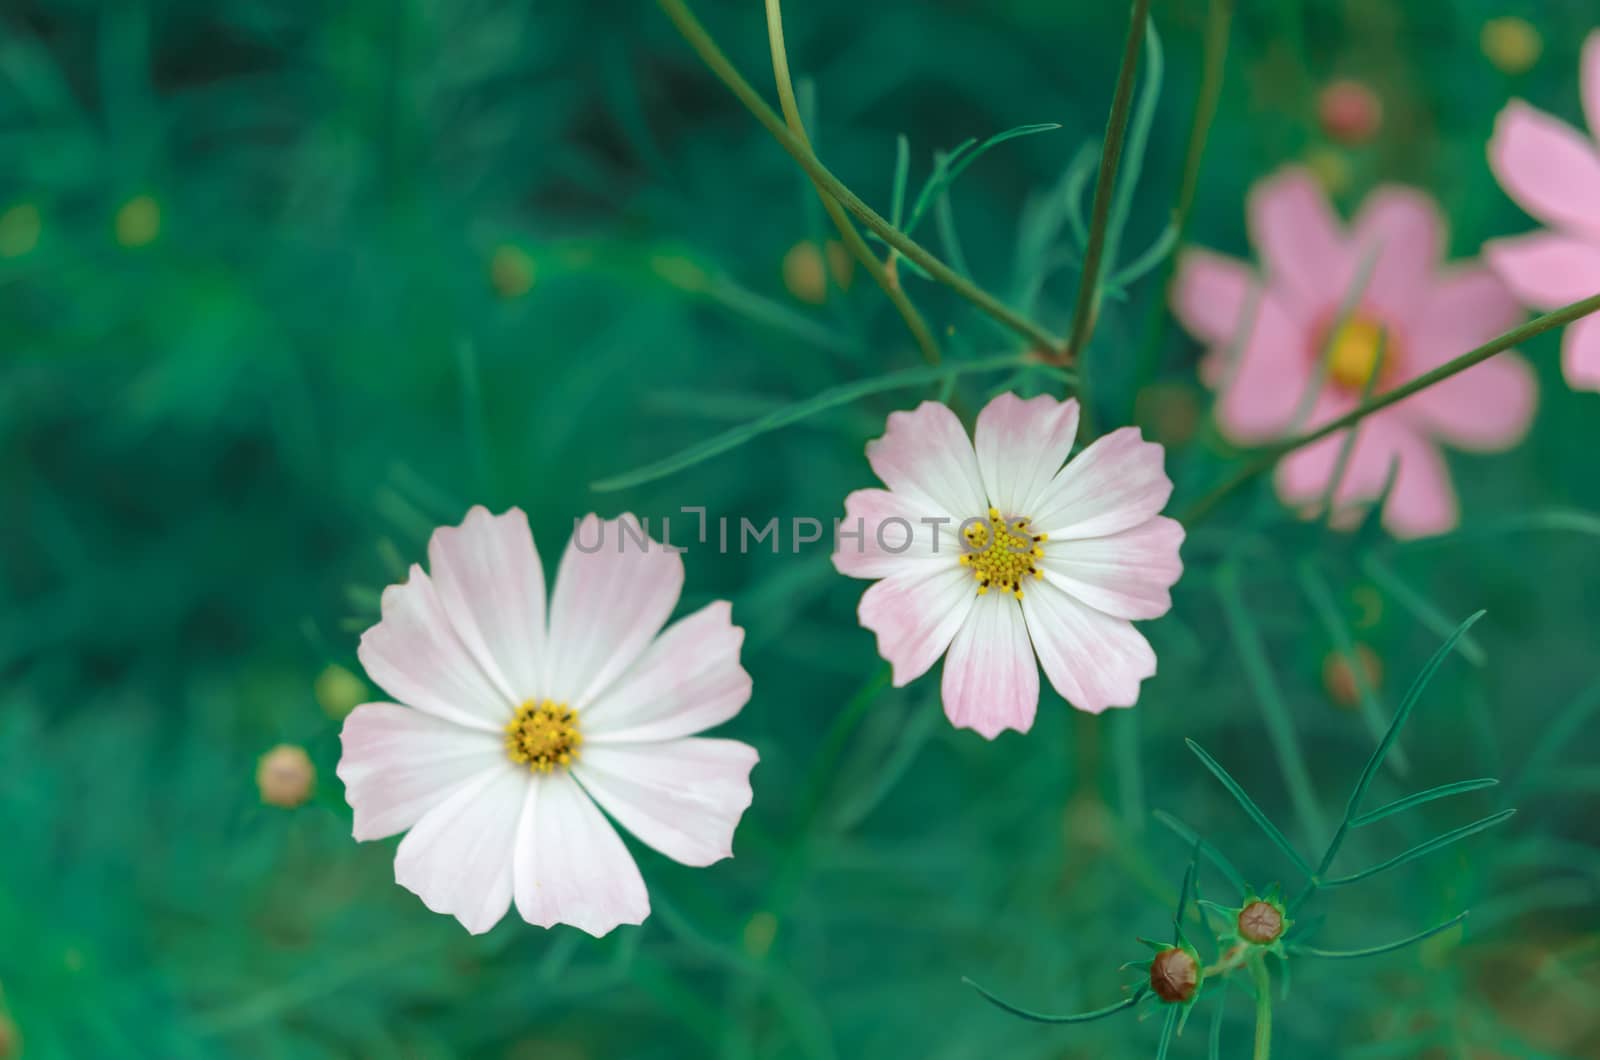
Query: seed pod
{"x":1349,"y":111}
{"x":286,"y":776}
{"x":1175,"y":975}
{"x":1261,"y":922}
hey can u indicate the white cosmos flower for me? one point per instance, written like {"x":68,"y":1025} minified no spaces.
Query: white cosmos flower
{"x":999,"y":553}
{"x":511,"y":734}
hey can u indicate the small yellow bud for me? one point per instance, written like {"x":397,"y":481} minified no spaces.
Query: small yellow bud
{"x":841,"y":266}
{"x":138,"y":221}
{"x":286,"y":776}
{"x":804,"y":274}
{"x":759,"y":933}
{"x":19,"y":231}
{"x":339,"y":691}
{"x":1330,"y":168}
{"x":512,"y":271}
{"x":1511,"y":44}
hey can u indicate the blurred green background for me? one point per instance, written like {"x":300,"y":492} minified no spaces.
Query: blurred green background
{"x":284,"y":286}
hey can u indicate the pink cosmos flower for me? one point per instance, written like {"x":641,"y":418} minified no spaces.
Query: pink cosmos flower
{"x":1553,"y":172}
{"x":514,"y":734}
{"x":1001,"y":553}
{"x":1422,"y":313}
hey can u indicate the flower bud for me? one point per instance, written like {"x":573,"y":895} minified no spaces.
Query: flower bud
{"x":1349,"y":111}
{"x":19,"y":230}
{"x":1339,"y":675}
{"x":511,"y":271}
{"x":138,"y":221}
{"x":338,"y":691}
{"x":1511,"y":44}
{"x":1261,"y":922}
{"x":286,"y":776}
{"x":1175,"y":974}
{"x":807,"y":268}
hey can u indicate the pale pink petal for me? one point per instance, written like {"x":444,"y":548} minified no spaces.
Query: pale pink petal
{"x":1302,"y":245}
{"x":614,"y":591}
{"x":415,"y":655}
{"x":884,"y":532}
{"x":1021,"y":444}
{"x":1302,"y":477}
{"x":915,"y":613}
{"x":991,"y":682}
{"x":1548,"y":167}
{"x":1486,"y":407}
{"x":1424,"y":500}
{"x":682,"y":797}
{"x":458,"y":857}
{"x":489,"y":580}
{"x":1094,"y":661}
{"x":1115,"y":484}
{"x":1547,"y":270}
{"x":398,"y":763}
{"x":1580,"y":354}
{"x":570,"y":864}
{"x":687,"y":681}
{"x":1589,"y":82}
{"x":925,"y":454}
{"x":1402,"y":230}
{"x":1262,"y":391}
{"x":1126,"y":575}
{"x":1211,"y":294}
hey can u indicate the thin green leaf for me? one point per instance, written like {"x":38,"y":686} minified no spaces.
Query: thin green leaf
{"x":1419,"y":606}
{"x":1150,"y":259}
{"x":1250,"y":808}
{"x":1443,"y":791}
{"x":1167,"y":1030}
{"x":944,"y":222}
{"x":946,"y":172}
{"x":831,"y":398}
{"x":1560,"y":734}
{"x":902,"y":170}
{"x":1347,"y":309}
{"x":1214,"y":1043}
{"x":1320,"y":596}
{"x":1079,"y":172}
{"x":1183,"y":895}
{"x":1076,"y":1017}
{"x":1373,"y":951}
{"x":1269,"y":698}
{"x":1571,"y":520}
{"x":1407,"y":705}
{"x":1422,"y":849}
{"x":1215,"y":856}
{"x":1347,"y":446}
{"x":1138,"y":140}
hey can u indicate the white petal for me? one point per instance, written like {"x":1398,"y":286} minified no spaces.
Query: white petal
{"x":884,"y":532}
{"x":458,"y":857}
{"x":682,"y":797}
{"x":1114,"y":485}
{"x":614,"y":591}
{"x":415,"y":655}
{"x":1021,"y":445}
{"x":926,"y":456}
{"x":991,"y":682}
{"x":489,"y":580}
{"x":915,"y":613}
{"x":571,"y":866}
{"x":399,"y":763}
{"x":1127,"y":575}
{"x":1094,"y":661}
{"x":687,"y":681}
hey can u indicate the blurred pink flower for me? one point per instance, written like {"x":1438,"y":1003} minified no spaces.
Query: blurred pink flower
{"x":514,"y":736}
{"x":1001,"y":553}
{"x":1553,"y":171}
{"x":1279,"y":323}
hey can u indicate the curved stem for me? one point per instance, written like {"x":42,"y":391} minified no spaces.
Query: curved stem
{"x":1088,"y":300}
{"x":1514,"y":337}
{"x":1263,"y":984}
{"x":712,"y":56}
{"x":847,"y":231}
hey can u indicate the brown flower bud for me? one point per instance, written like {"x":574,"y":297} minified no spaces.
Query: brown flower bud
{"x":1260,"y":922}
{"x":286,"y":776}
{"x":1349,"y":111}
{"x":1174,"y":974}
{"x":1339,"y":676}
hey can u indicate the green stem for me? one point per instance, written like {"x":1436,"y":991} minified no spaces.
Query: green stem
{"x":1514,"y":337}
{"x":847,"y":231}
{"x":697,"y":37}
{"x":1263,"y":984}
{"x":1088,"y":300}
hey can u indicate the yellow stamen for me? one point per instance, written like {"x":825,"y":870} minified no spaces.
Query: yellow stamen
{"x":1001,"y":553}
{"x":1353,"y":353}
{"x":543,"y":735}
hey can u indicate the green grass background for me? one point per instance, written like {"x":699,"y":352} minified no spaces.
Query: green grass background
{"x":218,"y":446}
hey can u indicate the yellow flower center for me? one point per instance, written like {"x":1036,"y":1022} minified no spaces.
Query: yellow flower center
{"x":543,"y":735}
{"x":1001,"y":552}
{"x":1353,"y":353}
